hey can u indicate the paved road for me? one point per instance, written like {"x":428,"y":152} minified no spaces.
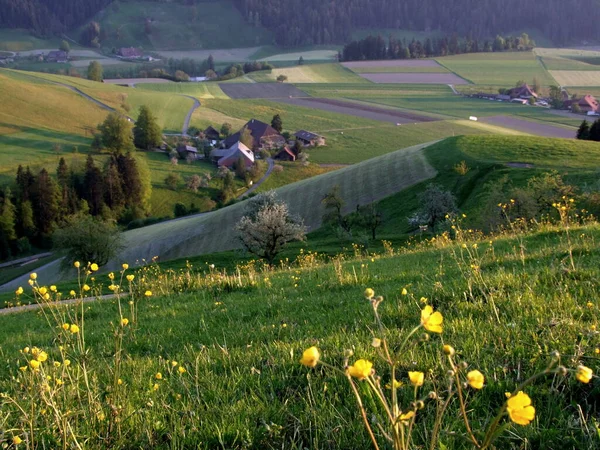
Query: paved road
{"x":186,"y":123}
{"x":262,"y":180}
{"x":451,"y":86}
{"x":22,"y":261}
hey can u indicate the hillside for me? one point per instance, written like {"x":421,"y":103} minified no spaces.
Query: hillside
{"x":239,"y":339}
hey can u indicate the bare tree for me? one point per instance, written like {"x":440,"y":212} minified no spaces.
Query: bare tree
{"x":267,"y":226}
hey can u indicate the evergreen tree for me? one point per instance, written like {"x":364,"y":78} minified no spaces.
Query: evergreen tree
{"x":8,"y":217}
{"x":93,"y":187}
{"x":301,"y":61}
{"x":45,"y":202}
{"x":211,"y":62}
{"x":94,"y":71}
{"x":115,"y":133}
{"x":277,"y":123}
{"x":595,"y":131}
{"x":25,"y":182}
{"x":583,"y":132}
{"x":147,"y":134}
{"x":113,"y":186}
{"x":26,"y":224}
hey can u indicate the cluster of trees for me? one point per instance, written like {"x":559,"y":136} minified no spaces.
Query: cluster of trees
{"x":375,"y":47}
{"x":302,"y":22}
{"x":587,"y":132}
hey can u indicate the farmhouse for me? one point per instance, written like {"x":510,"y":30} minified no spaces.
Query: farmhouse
{"x":57,"y":56}
{"x":264,"y":136}
{"x":233,"y":155}
{"x":523,"y":91}
{"x":211,"y":134}
{"x":130,"y":52}
{"x":588,"y":104}
{"x":187,"y":151}
{"x":285,"y":155}
{"x":309,"y":139}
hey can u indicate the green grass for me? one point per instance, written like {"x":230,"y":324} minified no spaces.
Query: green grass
{"x":274,"y":53}
{"x":318,"y":73}
{"x":292,"y":172}
{"x":179,"y":27}
{"x":198,"y":90}
{"x":241,"y":345}
{"x":21,"y":40}
{"x":503,"y":69}
{"x":400,"y":69}
{"x":10,"y":273}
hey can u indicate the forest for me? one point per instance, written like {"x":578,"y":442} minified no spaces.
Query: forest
{"x":310,"y":22}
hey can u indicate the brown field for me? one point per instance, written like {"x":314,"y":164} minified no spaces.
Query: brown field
{"x":358,"y":110}
{"x":392,"y":63}
{"x":414,"y":78}
{"x":537,"y":129}
{"x":261,"y":90}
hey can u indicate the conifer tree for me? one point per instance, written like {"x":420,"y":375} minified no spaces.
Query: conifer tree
{"x":583,"y":132}
{"x":8,"y":217}
{"x":147,"y":134}
{"x":93,"y":188}
{"x":277,"y":123}
{"x":45,"y":202}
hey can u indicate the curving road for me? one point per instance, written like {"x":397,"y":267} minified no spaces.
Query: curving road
{"x":186,"y":123}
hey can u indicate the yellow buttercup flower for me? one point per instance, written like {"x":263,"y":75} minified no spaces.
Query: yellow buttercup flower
{"x":119,"y":382}
{"x":19,"y":291}
{"x":72,"y":293}
{"x":111,"y":276}
{"x":30,"y":282}
{"x":65,"y":326}
{"x":155,"y":387}
{"x":181,"y":370}
{"x":416,"y":378}
{"x":113,"y":287}
{"x":148,"y":293}
{"x":407,"y":416}
{"x":67,"y":362}
{"x":404,"y":291}
{"x":86,"y":287}
{"x":174,"y":363}
{"x":26,"y":350}
{"x":584,"y":374}
{"x":520,"y":409}
{"x":310,"y":357}
{"x":17,"y":440}
{"x":125,"y":266}
{"x":42,"y":290}
{"x":23,"y":368}
{"x":94,"y":267}
{"x":33,"y":276}
{"x":449,"y":350}
{"x":35,"y":364}
{"x":124,"y":321}
{"x":46,"y":296}
{"x":369,"y":293}
{"x":361,"y":369}
{"x":158,"y":376}
{"x":53,"y":288}
{"x":57,"y":364}
{"x":74,"y":329}
{"x":77,"y":264}
{"x":41,"y":356}
{"x":432,"y":321}
{"x":475,"y":379}
{"x":130,"y":277}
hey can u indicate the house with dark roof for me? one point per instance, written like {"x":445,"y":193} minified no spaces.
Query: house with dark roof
{"x":211,"y":134}
{"x":588,"y":104}
{"x":187,"y":151}
{"x":524,"y":92}
{"x":264,"y":136}
{"x":234,"y":154}
{"x":309,"y":139}
{"x":57,"y":56}
{"x":285,"y":155}
{"x":130,"y":52}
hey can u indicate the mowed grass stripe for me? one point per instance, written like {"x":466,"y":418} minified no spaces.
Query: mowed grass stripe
{"x":360,"y":184}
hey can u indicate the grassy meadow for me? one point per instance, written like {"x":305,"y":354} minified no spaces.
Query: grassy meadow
{"x":317,"y":73}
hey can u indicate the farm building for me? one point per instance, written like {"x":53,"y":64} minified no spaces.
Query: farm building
{"x":523,"y":91}
{"x":588,"y":104}
{"x":211,"y":134}
{"x":57,"y":56}
{"x":233,"y":155}
{"x":264,"y":136}
{"x":187,"y":151}
{"x":285,"y":155}
{"x":309,"y":139}
{"x":130,"y":52}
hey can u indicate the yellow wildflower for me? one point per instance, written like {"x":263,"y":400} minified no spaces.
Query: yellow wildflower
{"x":35,"y":364}
{"x":94,"y":267}
{"x":125,"y":266}
{"x":19,"y":291}
{"x":416,"y":378}
{"x":65,"y":326}
{"x":449,"y":350}
{"x":67,"y":362}
{"x":407,"y":416}
{"x":17,"y":440}
{"x":53,"y":288}
{"x":181,"y":370}
{"x":475,"y":379}
{"x":72,"y":293}
{"x":76,"y":264}
{"x":74,"y":329}
{"x":86,"y":287}
{"x":33,"y":276}
{"x":26,"y":350}
{"x":30,"y":282}
{"x":57,"y":364}
{"x":124,"y":321}
{"x":174,"y":363}
{"x":584,"y":374}
{"x":119,"y":382}
{"x":42,"y":290}
{"x":310,"y":357}
{"x":520,"y":409}
{"x":111,"y":276}
{"x":113,"y":287}
{"x":155,"y":387}
{"x":369,"y":293}
{"x":404,"y":291}
{"x":361,"y":369}
{"x":41,"y":356}
{"x":397,"y":384}
{"x":130,"y":277}
{"x":148,"y":293}
{"x":376,"y":342}
{"x":158,"y":376}
{"x":432,"y":321}
{"x":46,"y":296}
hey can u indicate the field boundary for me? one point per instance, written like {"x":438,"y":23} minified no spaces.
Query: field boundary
{"x":452,"y":71}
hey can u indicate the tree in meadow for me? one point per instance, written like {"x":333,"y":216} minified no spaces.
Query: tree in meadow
{"x":147,"y":134}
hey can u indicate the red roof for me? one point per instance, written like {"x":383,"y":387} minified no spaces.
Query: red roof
{"x":589,"y":102}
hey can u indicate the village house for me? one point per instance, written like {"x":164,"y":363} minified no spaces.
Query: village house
{"x":211,"y":134}
{"x":187,"y":151}
{"x":588,"y":104}
{"x":309,"y":139}
{"x":130,"y":53}
{"x":264,"y":136}
{"x":524,"y":92}
{"x":285,"y":155}
{"x":57,"y":56}
{"x":233,"y":155}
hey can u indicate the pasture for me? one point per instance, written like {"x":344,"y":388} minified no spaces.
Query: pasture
{"x":198,"y":90}
{"x":502,"y":69}
{"x":577,"y":77}
{"x":178,"y":27}
{"x":318,"y":73}
{"x":414,"y":78}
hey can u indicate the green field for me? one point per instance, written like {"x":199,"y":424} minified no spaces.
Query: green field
{"x":318,"y":73}
{"x":503,"y":69}
{"x":22,"y":40}
{"x":198,"y":90}
{"x":577,"y":77}
{"x":400,"y":69}
{"x":178,"y":27}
